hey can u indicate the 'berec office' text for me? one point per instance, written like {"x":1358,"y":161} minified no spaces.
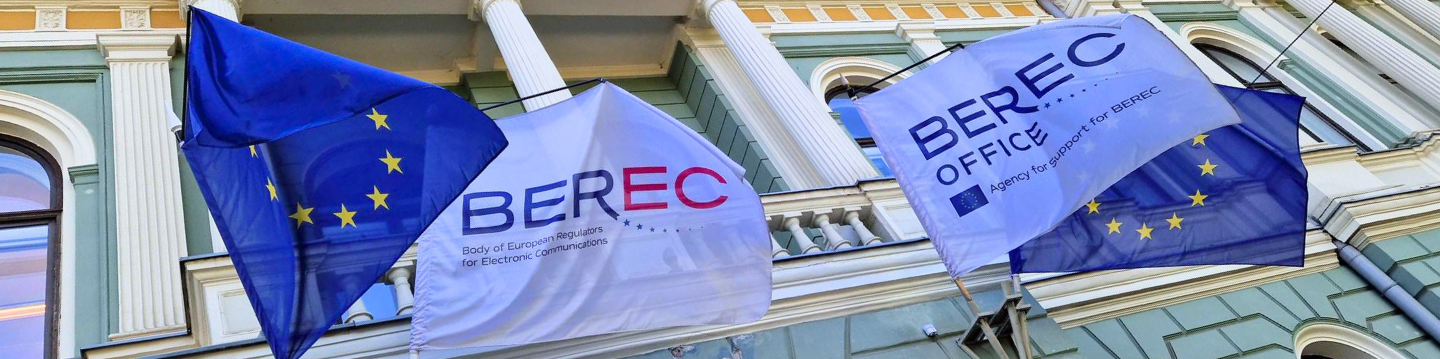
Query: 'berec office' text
{"x":935,"y":135}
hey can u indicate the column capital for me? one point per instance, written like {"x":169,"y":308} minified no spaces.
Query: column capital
{"x":136,"y":47}
{"x":478,"y":7}
{"x":703,"y":6}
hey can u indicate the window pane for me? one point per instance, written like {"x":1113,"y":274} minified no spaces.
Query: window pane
{"x":874,"y":154}
{"x":849,"y":116}
{"x":380,"y":301}
{"x":1314,"y":124}
{"x":1242,"y":68}
{"x":24,"y":252}
{"x":24,"y":184}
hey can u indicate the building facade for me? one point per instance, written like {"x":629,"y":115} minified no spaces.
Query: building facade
{"x":107,"y":249}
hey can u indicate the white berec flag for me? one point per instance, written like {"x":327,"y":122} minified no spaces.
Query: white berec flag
{"x":999,"y":141}
{"x":603,"y":215}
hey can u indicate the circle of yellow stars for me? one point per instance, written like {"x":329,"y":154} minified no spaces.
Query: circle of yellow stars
{"x":345,"y":215}
{"x":1175,"y":221}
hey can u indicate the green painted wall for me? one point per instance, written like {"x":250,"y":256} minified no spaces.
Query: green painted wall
{"x":687,"y":92}
{"x":78,"y":82}
{"x":1414,"y":262}
{"x":887,"y":333}
{"x":805,"y":52}
{"x":1255,"y":322}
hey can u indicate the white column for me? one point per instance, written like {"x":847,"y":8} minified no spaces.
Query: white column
{"x":1392,"y":23}
{"x":1352,"y":76}
{"x":526,"y":60}
{"x":866,"y":237}
{"x":404,"y":296}
{"x":1422,"y":12}
{"x":834,"y":155}
{"x":229,"y":9}
{"x":833,"y":239}
{"x":1407,"y":68}
{"x":150,"y":235}
{"x":1211,"y":69}
{"x":797,"y":234}
{"x":922,"y":39}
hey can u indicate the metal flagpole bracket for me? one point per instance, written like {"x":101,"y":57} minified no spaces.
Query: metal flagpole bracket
{"x":984,"y":320}
{"x":991,"y":326}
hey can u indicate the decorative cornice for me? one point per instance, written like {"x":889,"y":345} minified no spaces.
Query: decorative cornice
{"x":1078,"y":299}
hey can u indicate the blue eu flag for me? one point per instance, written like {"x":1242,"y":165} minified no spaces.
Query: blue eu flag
{"x":319,"y":171}
{"x":1235,"y":195}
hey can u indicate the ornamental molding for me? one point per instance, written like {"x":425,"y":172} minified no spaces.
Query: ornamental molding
{"x":134,"y":17}
{"x":1078,"y":299}
{"x":49,"y":18}
{"x":1318,"y":333}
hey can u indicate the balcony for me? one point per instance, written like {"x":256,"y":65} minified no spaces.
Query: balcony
{"x":836,"y":250}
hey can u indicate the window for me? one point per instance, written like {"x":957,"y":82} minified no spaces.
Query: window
{"x":29,"y":210}
{"x":1312,"y":122}
{"x":839,"y":101}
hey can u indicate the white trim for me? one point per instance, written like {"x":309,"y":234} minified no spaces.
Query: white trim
{"x":1078,"y":299}
{"x":1259,"y":53}
{"x":1326,"y":333}
{"x":64,"y":137}
{"x":859,"y":71}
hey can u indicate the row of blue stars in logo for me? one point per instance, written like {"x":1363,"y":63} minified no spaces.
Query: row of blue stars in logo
{"x":642,"y":227}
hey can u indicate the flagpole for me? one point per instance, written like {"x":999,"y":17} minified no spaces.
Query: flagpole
{"x":547,"y":92}
{"x":982,"y":320}
{"x":1019,"y":324}
{"x":958,"y":45}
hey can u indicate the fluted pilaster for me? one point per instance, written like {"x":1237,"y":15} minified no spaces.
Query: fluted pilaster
{"x":1421,"y":12}
{"x":150,"y":231}
{"x":527,"y":62}
{"x":1407,"y":68}
{"x":807,"y":120}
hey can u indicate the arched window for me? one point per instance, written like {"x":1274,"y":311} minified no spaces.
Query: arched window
{"x":29,"y":211}
{"x":839,"y":100}
{"x":1312,"y":122}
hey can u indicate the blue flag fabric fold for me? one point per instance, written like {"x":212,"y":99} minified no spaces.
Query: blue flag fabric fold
{"x":1235,"y":195}
{"x":320,"y":172}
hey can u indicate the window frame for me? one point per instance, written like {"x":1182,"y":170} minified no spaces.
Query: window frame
{"x":49,"y":217}
{"x":861,"y":91}
{"x":1266,"y":81}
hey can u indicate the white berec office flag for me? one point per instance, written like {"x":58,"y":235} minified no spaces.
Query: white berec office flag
{"x":603,"y":215}
{"x":999,"y":141}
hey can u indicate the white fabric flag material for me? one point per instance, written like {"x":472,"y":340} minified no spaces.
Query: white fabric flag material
{"x":604,"y":215}
{"x":999,"y":141}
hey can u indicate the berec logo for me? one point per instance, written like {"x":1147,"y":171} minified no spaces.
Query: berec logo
{"x":633,"y":178}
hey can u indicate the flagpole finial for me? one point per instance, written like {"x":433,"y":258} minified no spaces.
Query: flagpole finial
{"x":849,"y":90}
